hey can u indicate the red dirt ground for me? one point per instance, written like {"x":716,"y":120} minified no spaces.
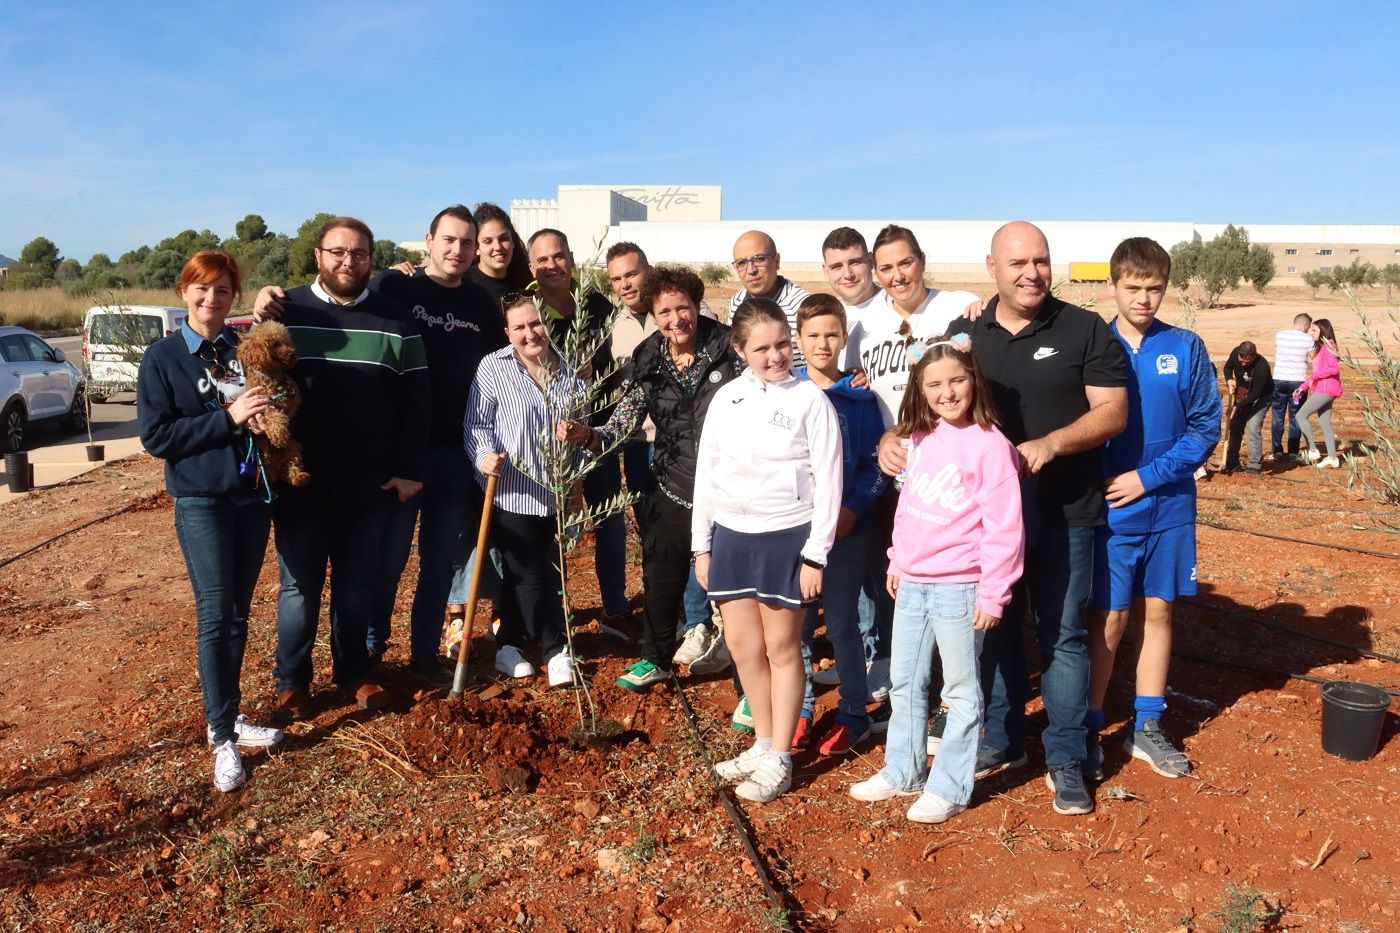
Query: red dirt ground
{"x":480,"y":813}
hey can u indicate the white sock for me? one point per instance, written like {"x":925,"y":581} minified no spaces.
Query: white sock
{"x":784,"y":757}
{"x":763,"y":742}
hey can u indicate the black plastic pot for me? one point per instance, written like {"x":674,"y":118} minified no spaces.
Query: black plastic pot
{"x":94,"y":453}
{"x":1352,"y":717}
{"x":18,"y":472}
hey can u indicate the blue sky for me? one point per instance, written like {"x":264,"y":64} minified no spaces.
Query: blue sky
{"x":124,"y":123}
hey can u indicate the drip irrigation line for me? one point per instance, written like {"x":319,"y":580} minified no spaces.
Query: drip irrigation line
{"x":1288,"y":630}
{"x":1216,"y":662}
{"x":1293,"y":505}
{"x":63,"y":534}
{"x":1332,"y":547}
{"x":741,"y":826}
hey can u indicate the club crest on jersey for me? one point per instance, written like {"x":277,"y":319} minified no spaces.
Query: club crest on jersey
{"x":781,"y":420}
{"x":715,"y":376}
{"x":1166,"y":365}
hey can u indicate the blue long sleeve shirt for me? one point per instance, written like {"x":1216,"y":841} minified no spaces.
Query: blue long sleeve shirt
{"x":1173,"y":425}
{"x":858,"y":412}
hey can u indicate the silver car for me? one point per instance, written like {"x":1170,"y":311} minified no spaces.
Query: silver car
{"x":37,"y":384}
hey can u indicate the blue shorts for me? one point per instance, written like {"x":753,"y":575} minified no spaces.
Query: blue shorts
{"x":1160,"y":564}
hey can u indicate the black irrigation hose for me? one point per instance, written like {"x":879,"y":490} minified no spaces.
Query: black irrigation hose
{"x":1293,"y":505}
{"x":1200,"y":659}
{"x":1288,"y":630}
{"x":1264,"y":534}
{"x":63,"y":534}
{"x":735,"y":817}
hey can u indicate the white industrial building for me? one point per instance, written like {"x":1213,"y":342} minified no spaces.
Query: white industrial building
{"x":684,"y":223}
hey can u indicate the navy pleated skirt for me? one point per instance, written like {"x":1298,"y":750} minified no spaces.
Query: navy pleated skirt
{"x":765,"y":566}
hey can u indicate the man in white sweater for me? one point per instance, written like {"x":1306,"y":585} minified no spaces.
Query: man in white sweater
{"x":1291,"y":348}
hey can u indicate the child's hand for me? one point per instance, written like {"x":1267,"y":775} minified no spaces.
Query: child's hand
{"x":983,"y":622}
{"x":810,"y":582}
{"x":1123,"y":489}
{"x":702,"y":570}
{"x":892,"y":586}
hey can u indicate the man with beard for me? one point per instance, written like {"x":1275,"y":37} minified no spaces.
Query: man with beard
{"x":363,"y":428}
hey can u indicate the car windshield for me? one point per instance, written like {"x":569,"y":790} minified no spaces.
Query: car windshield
{"x":125,"y":330}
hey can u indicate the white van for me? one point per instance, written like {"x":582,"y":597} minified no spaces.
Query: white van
{"x":116,"y":337}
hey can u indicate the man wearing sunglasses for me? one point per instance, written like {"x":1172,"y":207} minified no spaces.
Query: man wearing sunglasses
{"x":756,"y":263}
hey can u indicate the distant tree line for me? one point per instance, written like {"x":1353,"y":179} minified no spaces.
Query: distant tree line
{"x":1357,"y":275}
{"x":266,"y":258}
{"x":1219,"y":265}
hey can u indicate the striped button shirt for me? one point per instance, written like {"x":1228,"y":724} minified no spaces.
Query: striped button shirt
{"x":508,"y":413}
{"x":788,"y":298}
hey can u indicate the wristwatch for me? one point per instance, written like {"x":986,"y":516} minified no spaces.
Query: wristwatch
{"x":808,"y":562}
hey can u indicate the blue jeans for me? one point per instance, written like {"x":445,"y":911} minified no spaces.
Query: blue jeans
{"x":609,"y":535}
{"x":931,"y":616}
{"x":1285,"y":411}
{"x":450,"y":507}
{"x":223,"y":543}
{"x":1056,"y":586}
{"x":343,"y":521}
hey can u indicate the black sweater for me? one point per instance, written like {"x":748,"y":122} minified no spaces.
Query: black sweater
{"x":459,"y":326}
{"x":364,"y":374}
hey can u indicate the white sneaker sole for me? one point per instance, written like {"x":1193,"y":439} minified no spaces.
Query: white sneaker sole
{"x":1143,"y":756}
{"x":873,"y":795}
{"x":940,"y":811}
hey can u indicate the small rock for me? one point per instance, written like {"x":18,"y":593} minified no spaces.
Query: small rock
{"x":588,"y":808}
{"x":611,"y":860}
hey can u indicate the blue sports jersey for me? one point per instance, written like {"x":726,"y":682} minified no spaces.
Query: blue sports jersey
{"x":1173,"y":424}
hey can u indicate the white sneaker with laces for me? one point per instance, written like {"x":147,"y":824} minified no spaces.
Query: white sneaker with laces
{"x":769,"y":780}
{"x":875,"y":789}
{"x":1329,"y":463}
{"x":696,"y":642}
{"x":228,"y":768}
{"x":512,"y":663}
{"x":931,"y":808}
{"x":740,"y":767}
{"x":561,"y":670}
{"x":715,"y":659}
{"x":249,"y":735}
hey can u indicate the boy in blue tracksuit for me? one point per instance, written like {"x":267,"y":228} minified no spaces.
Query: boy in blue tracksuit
{"x":821,"y":335}
{"x":1147,"y":549}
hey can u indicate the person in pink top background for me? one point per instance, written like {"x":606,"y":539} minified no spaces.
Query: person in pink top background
{"x":958,"y":547}
{"x":1323,"y":387}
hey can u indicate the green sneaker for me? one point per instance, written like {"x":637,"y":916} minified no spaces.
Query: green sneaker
{"x":641,"y":676}
{"x":742,"y":720}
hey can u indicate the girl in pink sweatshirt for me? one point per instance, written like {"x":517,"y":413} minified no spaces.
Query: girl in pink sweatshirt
{"x":1323,"y":387}
{"x":958,"y":548}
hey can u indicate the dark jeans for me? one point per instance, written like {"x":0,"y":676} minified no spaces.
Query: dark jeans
{"x":609,"y":535}
{"x":847,"y":612}
{"x":223,"y":543}
{"x":636,"y":468}
{"x":449,"y":507}
{"x":1056,"y":587}
{"x":665,"y":570}
{"x":1285,"y":411}
{"x":343,"y":522}
{"x":532,"y":611}
{"x":878,"y":564}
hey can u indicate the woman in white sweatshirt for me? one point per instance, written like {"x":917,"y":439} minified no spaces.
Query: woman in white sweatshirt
{"x":767,"y":497}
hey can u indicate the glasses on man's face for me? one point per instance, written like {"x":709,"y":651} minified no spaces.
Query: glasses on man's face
{"x":753,"y":262}
{"x":340,"y":253}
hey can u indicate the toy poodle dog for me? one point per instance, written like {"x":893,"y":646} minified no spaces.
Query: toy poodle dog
{"x":267,"y":356}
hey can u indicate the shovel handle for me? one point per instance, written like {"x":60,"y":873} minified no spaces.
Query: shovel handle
{"x":459,"y":676}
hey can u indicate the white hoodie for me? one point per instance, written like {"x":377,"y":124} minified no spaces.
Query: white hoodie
{"x":769,"y":459}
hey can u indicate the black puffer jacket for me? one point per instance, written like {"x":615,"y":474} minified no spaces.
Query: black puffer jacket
{"x":679,"y":414}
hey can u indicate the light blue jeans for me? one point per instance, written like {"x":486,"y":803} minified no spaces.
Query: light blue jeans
{"x":929,"y":616}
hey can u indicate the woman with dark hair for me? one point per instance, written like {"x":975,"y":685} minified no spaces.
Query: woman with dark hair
{"x":1323,"y":387}
{"x":195,"y":413}
{"x":676,"y":372}
{"x":502,"y":265}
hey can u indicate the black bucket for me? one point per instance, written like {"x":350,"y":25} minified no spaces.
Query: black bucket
{"x":95,"y":452}
{"x":18,"y":473}
{"x":1352,"y":717}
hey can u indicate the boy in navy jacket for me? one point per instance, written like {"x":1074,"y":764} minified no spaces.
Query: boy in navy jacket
{"x":1147,"y":550}
{"x":821,"y":335}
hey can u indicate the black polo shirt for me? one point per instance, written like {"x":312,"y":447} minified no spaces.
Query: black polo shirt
{"x":1037,"y":379}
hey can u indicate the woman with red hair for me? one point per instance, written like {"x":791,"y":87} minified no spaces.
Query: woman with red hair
{"x":196,"y":413}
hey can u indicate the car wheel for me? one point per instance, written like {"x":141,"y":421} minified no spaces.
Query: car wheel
{"x":77,"y":420}
{"x":12,"y":425}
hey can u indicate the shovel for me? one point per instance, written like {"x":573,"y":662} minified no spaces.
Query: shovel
{"x":459,"y":676}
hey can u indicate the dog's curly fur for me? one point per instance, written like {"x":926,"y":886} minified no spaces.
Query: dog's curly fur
{"x":267,"y":356}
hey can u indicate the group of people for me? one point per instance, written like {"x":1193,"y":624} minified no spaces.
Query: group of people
{"x":915,"y":468}
{"x":1304,"y":382}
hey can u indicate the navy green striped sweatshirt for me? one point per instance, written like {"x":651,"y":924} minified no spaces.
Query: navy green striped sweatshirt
{"x":364,"y":376}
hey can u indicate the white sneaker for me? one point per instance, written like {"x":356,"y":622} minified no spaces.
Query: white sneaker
{"x":249,"y":735}
{"x":826,"y":676}
{"x":715,"y":660}
{"x":561,"y":670}
{"x":1330,"y":463}
{"x":228,"y":768}
{"x":931,"y":808}
{"x":696,"y":642}
{"x":512,"y":663}
{"x":877,"y":680}
{"x":1310,"y":455}
{"x":769,"y":780}
{"x":736,"y":769}
{"x":875,"y":789}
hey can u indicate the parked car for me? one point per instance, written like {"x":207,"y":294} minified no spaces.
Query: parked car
{"x":36,"y":384}
{"x":116,"y":337}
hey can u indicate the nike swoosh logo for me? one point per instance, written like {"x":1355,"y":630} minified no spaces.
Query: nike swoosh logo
{"x":735,"y":401}
{"x":1044,"y":353}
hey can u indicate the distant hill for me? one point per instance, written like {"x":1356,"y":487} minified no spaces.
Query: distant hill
{"x":6,"y":261}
